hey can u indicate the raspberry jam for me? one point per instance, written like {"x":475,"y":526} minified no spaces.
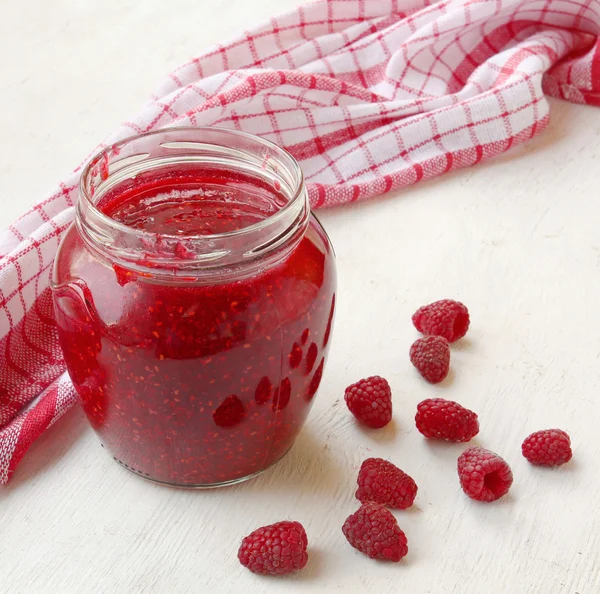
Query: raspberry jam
{"x":195,"y":299}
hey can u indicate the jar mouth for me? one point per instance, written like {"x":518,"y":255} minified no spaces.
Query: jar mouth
{"x":218,"y":148}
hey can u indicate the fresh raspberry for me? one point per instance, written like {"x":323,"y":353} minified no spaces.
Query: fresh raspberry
{"x":550,"y":447}
{"x":446,"y":318}
{"x":483,"y":475}
{"x":373,"y":530}
{"x":437,"y":418}
{"x":431,"y":356}
{"x":370,"y":401}
{"x":383,"y":482}
{"x":276,"y":549}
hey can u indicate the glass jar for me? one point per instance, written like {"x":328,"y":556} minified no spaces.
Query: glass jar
{"x":194,"y":297}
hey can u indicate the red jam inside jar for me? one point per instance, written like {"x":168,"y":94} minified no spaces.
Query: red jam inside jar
{"x":194,"y":299}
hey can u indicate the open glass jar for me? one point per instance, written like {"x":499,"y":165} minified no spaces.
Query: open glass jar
{"x":194,"y":297}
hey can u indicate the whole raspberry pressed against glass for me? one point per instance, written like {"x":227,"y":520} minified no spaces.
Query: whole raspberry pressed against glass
{"x":437,"y":418}
{"x":550,"y":447}
{"x":373,"y":530}
{"x":383,"y":482}
{"x":275,"y":550}
{"x":484,"y":476}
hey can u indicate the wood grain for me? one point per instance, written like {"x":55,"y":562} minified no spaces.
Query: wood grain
{"x":516,"y":239}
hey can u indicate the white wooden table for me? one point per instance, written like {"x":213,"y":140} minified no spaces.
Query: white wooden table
{"x":516,"y":239}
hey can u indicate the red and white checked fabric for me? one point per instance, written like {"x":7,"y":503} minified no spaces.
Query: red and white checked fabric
{"x":369,"y":95}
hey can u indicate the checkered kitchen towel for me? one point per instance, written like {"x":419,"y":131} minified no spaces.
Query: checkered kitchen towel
{"x":369,"y":95}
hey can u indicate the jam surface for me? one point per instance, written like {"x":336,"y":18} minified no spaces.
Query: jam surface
{"x":196,"y":383}
{"x":186,"y":202}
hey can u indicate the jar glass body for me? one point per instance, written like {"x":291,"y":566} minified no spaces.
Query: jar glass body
{"x":197,"y":370}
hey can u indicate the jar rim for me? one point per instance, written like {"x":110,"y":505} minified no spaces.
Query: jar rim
{"x":277,"y":163}
{"x":141,"y":233}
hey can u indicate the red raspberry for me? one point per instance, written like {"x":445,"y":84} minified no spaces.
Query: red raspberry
{"x":446,"y":318}
{"x":483,"y":475}
{"x":551,"y":447}
{"x":383,"y":482}
{"x":370,"y":401}
{"x":276,"y":549}
{"x":373,"y":530}
{"x":431,"y":356}
{"x":437,"y":418}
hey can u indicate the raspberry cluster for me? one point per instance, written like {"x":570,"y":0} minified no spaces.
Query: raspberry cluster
{"x":483,"y":475}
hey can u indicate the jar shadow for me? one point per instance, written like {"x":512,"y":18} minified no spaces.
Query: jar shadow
{"x":307,"y":463}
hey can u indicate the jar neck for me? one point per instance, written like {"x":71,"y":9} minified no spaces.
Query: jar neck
{"x":154,"y":254}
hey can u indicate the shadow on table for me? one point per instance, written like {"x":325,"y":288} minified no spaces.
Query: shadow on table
{"x":48,"y":450}
{"x":387,"y":434}
{"x":308,"y":464}
{"x":307,"y":467}
{"x":315,"y":566}
{"x":447,"y":451}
